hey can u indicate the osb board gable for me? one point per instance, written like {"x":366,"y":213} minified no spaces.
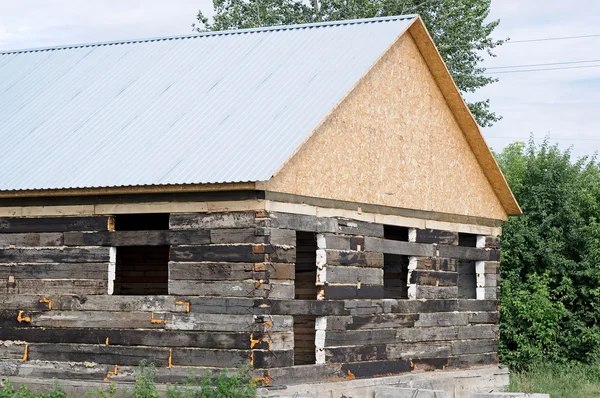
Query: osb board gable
{"x":395,"y":142}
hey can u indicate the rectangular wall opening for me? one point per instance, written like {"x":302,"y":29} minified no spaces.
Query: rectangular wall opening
{"x":142,"y":270}
{"x":467,"y":277}
{"x":395,"y":266}
{"x":306,"y":266}
{"x":304,"y":340}
{"x":305,"y":279}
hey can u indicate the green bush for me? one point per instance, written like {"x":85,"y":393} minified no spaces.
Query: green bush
{"x":559,"y":380}
{"x":550,"y":289}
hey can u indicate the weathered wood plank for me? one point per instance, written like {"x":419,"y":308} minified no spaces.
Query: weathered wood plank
{"x":354,"y":227}
{"x":245,"y":253}
{"x":468,"y":253}
{"x":55,"y":271}
{"x":136,"y":238}
{"x":345,"y":292}
{"x":241,"y":219}
{"x":31,"y":239}
{"x":436,"y":264}
{"x":436,"y":236}
{"x":355,"y":353}
{"x":54,"y":224}
{"x":434,"y":278}
{"x":436,"y":292}
{"x":207,"y":357}
{"x":340,"y":242}
{"x":231,"y":323}
{"x":262,"y":359}
{"x":210,"y":271}
{"x":333,"y":274}
{"x":238,"y":235}
{"x":352,"y":258}
{"x":377,"y":368}
{"x":56,"y":255}
{"x":380,"y":321}
{"x":397,"y":247}
{"x":158,"y":338}
{"x":55,"y":286}
{"x":216,"y":289}
{"x":300,"y":222}
{"x":121,"y":355}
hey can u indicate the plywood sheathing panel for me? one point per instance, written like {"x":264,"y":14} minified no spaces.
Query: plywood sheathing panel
{"x":393,"y":141}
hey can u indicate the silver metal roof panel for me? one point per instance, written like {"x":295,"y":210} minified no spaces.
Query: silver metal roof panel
{"x":208,"y":108}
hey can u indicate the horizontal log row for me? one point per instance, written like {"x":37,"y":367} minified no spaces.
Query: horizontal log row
{"x":243,"y":253}
{"x":55,"y":224}
{"x":409,"y":335}
{"x":159,"y":356}
{"x":56,"y":255}
{"x":241,"y":306}
{"x":383,"y":352}
{"x":145,"y":320}
{"x":54,"y":270}
{"x":423,"y":320}
{"x":54,"y":286}
{"x":151,"y":337}
{"x":430,"y":250}
{"x":276,"y":376}
{"x":213,"y":271}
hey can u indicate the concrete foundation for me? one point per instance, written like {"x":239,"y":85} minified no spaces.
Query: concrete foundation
{"x":457,"y":383}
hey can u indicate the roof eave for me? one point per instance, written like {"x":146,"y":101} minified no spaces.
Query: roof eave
{"x":132,"y":190}
{"x":464,"y":117}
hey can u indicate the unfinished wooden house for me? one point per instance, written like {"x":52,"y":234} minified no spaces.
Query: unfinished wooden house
{"x":316,"y":201}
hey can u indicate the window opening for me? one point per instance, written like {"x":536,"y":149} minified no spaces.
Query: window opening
{"x":142,"y":270}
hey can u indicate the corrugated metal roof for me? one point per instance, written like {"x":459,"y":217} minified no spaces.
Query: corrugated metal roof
{"x":208,"y":108}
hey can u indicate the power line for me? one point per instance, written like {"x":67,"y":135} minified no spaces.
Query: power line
{"x":549,"y":138}
{"x":541,"y":69}
{"x":551,"y":38}
{"x":547,"y":64}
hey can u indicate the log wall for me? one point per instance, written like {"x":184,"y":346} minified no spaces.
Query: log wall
{"x":232,"y":298}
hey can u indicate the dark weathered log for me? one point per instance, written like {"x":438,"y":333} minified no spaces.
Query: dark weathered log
{"x":368,"y":276}
{"x":353,"y":258}
{"x":128,"y":337}
{"x":99,"y":353}
{"x":380,"y":321}
{"x":210,"y":271}
{"x":356,"y":354}
{"x":233,"y":253}
{"x":436,"y":292}
{"x":241,"y":219}
{"x":214,"y":289}
{"x":136,"y":238}
{"x":340,"y":242}
{"x":262,"y":359}
{"x":54,"y":224}
{"x":437,"y":236}
{"x":54,"y":286}
{"x":56,"y":255}
{"x":345,"y":292}
{"x":468,"y":253}
{"x":207,"y":357}
{"x":300,"y":222}
{"x":237,"y":235}
{"x":397,"y":247}
{"x":434,"y":278}
{"x":353,"y":227}
{"x":31,"y":239}
{"x":229,"y":323}
{"x":55,"y":271}
{"x":377,"y":368}
{"x":436,"y":264}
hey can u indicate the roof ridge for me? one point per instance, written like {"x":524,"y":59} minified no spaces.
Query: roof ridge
{"x":216,"y":33}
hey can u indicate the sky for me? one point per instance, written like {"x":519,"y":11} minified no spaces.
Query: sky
{"x":563,"y":105}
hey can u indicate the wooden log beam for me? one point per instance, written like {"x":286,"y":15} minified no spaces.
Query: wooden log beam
{"x":55,"y":224}
{"x":136,"y":238}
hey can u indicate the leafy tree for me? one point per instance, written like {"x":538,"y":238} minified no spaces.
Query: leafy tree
{"x":550,"y":305}
{"x":458,"y":27}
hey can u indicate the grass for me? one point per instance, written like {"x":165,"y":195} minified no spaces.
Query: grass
{"x":560,"y":381}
